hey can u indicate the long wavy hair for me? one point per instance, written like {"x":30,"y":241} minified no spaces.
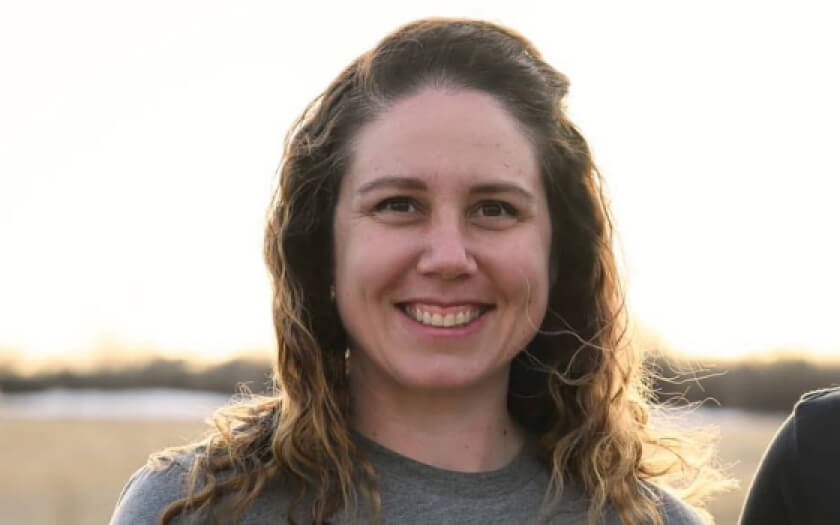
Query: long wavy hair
{"x":579,"y":387}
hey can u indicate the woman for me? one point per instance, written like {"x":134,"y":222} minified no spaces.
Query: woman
{"x":447,"y":312}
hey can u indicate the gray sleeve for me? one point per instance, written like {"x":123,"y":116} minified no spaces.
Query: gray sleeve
{"x":147,"y":493}
{"x":676,"y":512}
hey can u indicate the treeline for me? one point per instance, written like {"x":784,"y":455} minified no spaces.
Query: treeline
{"x":747,"y":385}
{"x":773,"y":386}
{"x":226,"y":377}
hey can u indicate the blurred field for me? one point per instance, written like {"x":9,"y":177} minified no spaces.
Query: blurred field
{"x":71,"y":472}
{"x":743,"y":441}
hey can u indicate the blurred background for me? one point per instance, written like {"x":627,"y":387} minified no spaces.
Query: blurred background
{"x":138,"y":145}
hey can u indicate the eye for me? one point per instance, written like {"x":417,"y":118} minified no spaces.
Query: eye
{"x":495,"y":209}
{"x":397,"y":205}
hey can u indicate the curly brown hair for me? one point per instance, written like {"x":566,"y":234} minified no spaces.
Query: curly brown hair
{"x":578,"y":386}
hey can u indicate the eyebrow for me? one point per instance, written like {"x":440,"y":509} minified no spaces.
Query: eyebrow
{"x":501,"y":187}
{"x":407,"y":183}
{"x":413,"y":183}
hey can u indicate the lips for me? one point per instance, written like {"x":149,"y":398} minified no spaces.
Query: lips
{"x":451,"y":316}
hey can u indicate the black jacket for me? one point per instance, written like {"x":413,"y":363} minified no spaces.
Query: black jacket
{"x":798,"y":481}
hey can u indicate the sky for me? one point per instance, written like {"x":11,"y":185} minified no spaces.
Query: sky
{"x":139,"y":142}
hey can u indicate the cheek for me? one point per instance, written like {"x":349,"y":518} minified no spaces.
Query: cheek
{"x":537,"y":286}
{"x":525,"y":271}
{"x":529,"y":260}
{"x":519,"y":274}
{"x":367,"y":260}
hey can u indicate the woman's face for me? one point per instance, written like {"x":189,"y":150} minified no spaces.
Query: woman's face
{"x":442,"y":238}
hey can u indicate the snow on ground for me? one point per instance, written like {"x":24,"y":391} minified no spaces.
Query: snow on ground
{"x":174,"y":404}
{"x":143,"y":404}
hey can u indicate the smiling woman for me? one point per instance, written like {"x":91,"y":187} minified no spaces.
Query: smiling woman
{"x":463,"y":231}
{"x":448,"y":316}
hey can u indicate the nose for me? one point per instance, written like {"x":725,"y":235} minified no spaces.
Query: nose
{"x":445,"y":252}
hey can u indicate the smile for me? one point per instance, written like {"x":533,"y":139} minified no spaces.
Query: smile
{"x":445,"y":317}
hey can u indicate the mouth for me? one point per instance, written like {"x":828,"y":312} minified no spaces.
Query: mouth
{"x":454,"y":316}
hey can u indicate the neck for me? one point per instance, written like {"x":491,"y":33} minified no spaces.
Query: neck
{"x":464,"y":429}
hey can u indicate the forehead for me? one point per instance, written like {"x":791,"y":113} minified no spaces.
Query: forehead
{"x":447,"y":137}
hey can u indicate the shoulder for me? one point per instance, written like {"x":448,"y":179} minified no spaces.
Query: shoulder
{"x":675,"y":511}
{"x":815,"y":419}
{"x":797,"y":473}
{"x":818,"y":403}
{"x":815,"y":424}
{"x":150,"y":489}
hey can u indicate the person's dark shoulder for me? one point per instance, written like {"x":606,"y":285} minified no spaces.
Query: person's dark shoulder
{"x":817,"y":421}
{"x":817,"y":436}
{"x":819,"y":403}
{"x":796,"y":481}
{"x":150,"y":489}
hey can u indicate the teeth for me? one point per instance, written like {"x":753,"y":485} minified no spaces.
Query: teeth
{"x":436,"y":319}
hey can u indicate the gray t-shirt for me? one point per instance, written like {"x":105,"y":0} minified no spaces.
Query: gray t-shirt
{"x":412,"y":493}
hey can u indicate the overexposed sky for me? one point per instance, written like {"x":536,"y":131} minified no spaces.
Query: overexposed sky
{"x":138,"y":143}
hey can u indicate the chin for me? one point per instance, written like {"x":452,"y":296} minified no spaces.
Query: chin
{"x":450,"y":377}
